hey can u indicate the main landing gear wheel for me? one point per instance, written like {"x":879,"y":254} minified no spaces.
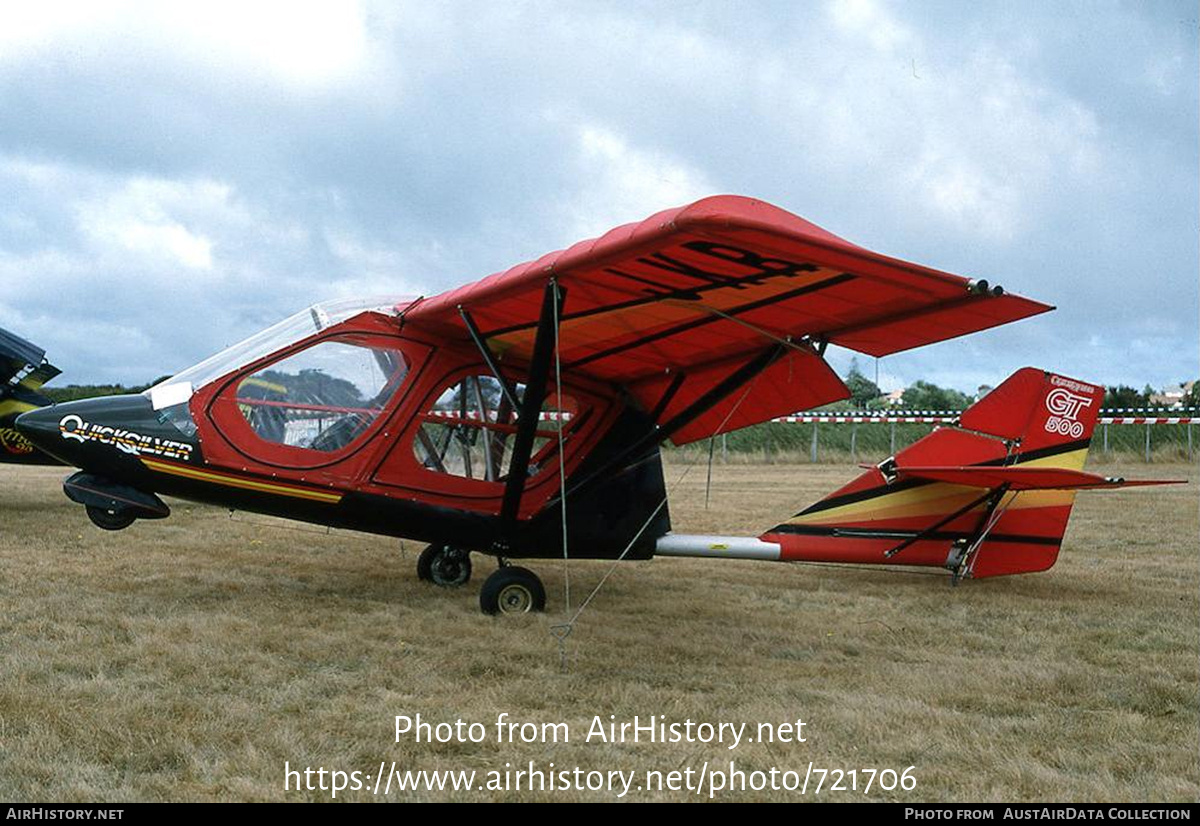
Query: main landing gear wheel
{"x":444,"y":566}
{"x":512,"y":590}
{"x":110,"y":520}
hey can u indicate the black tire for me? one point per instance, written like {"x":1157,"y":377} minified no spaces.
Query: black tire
{"x":444,"y":566}
{"x":109,"y":520}
{"x":512,"y":590}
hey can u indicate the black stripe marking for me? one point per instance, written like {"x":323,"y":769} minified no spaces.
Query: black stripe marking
{"x":862,"y":495}
{"x":667,"y":395}
{"x":868,"y":533}
{"x":1040,"y":453}
{"x":766,"y":268}
{"x":683,"y":293}
{"x":709,"y":319}
{"x":657,"y":290}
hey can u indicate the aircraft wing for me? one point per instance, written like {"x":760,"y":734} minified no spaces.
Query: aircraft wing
{"x":23,"y":363}
{"x":23,"y":371}
{"x":698,"y":290}
{"x":1024,"y":478}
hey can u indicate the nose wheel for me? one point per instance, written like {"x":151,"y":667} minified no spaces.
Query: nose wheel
{"x":512,"y":590}
{"x":444,"y":566}
{"x":110,"y":519}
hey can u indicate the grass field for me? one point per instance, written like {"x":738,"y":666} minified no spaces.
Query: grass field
{"x":189,"y":659}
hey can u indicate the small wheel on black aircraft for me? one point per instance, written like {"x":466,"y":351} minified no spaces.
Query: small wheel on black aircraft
{"x":512,"y":590}
{"x":444,"y":566}
{"x":110,"y":520}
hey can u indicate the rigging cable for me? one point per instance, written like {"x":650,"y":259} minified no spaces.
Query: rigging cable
{"x":562,"y":472}
{"x":561,"y":632}
{"x":712,"y":443}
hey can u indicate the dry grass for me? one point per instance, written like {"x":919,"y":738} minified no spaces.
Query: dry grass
{"x":188,"y":659}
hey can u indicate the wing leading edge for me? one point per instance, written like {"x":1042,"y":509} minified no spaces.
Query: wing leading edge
{"x":696,"y":291}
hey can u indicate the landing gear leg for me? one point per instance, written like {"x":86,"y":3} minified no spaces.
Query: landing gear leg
{"x":444,"y":566}
{"x":512,"y":590}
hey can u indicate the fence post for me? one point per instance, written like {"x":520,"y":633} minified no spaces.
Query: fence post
{"x":854,"y":443}
{"x":1147,"y":443}
{"x":1189,"y":441}
{"x":813,"y":457}
{"x":892,"y":452}
{"x":1106,"y":438}
{"x":724,"y":450}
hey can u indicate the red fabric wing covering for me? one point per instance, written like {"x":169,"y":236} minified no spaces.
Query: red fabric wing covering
{"x":718,"y":279}
{"x":795,"y":381}
{"x":938,"y":324}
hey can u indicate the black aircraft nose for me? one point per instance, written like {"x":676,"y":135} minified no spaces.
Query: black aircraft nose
{"x":40,"y":426}
{"x":108,"y":435}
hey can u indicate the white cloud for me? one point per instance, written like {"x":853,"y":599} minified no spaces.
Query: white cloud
{"x":307,"y":41}
{"x":241,"y":160}
{"x":304,"y":43}
{"x":124,"y":266}
{"x":964,"y":196}
{"x":948,"y":135}
{"x":1165,"y":73}
{"x":29,"y":28}
{"x":616,"y":182}
{"x":872,"y":21}
{"x":142,"y":217}
{"x":368,"y":269}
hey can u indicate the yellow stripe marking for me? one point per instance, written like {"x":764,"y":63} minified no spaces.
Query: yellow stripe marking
{"x":241,"y":482}
{"x":944,"y":497}
{"x":11,"y":407}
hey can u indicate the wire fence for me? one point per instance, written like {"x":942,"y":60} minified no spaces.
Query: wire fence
{"x":868,"y":436}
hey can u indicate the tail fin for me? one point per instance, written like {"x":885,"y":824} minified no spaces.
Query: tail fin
{"x":904,"y":512}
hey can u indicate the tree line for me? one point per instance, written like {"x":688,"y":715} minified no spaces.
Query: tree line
{"x":924,"y":395}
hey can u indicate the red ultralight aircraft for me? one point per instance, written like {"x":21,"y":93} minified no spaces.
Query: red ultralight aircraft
{"x":466,"y":420}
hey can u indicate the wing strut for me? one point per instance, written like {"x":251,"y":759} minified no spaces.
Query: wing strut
{"x":946,"y":520}
{"x":966,"y":563}
{"x":488,"y":358}
{"x":668,"y":394}
{"x":723,"y":389}
{"x":531,"y":404}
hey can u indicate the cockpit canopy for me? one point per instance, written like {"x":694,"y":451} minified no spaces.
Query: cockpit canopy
{"x":179,"y":388}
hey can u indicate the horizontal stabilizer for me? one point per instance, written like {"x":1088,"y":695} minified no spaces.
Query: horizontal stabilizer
{"x":1023,"y":478}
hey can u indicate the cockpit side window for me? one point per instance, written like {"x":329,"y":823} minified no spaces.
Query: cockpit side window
{"x":470,"y":429}
{"x":324,"y":397}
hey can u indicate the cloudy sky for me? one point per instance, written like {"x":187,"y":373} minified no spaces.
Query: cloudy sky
{"x":175,"y":176}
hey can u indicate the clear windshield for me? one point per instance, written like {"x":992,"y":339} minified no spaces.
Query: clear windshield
{"x":302,"y":325}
